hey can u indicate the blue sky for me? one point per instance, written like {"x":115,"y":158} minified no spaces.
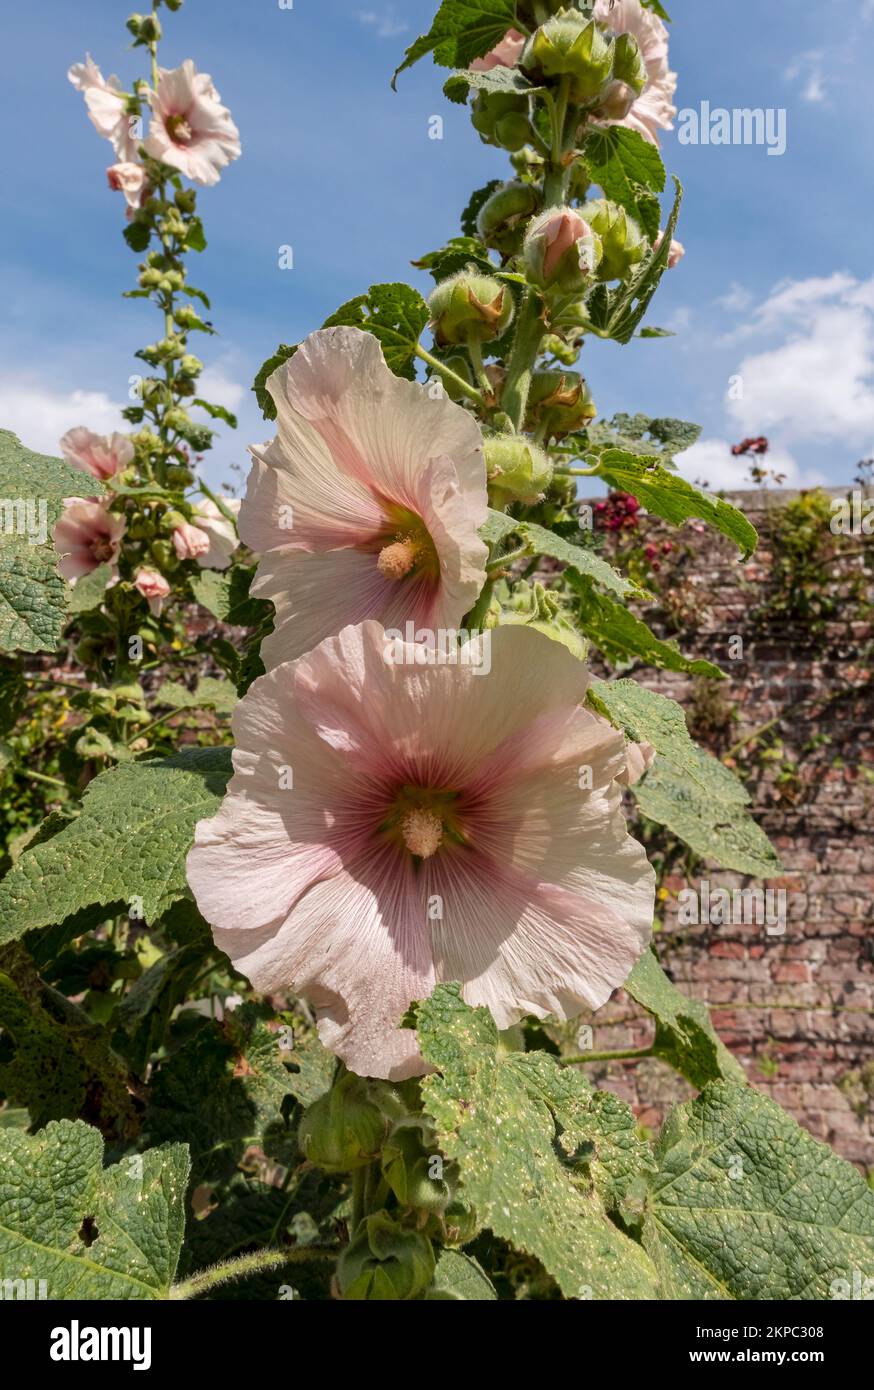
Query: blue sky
{"x":776,"y":287}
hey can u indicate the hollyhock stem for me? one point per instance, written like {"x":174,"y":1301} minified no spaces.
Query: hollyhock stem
{"x":449,"y":375}
{"x":632,"y":1054}
{"x":255,"y":1263}
{"x":577,"y":472}
{"x":529,"y":334}
{"x":476,"y":356}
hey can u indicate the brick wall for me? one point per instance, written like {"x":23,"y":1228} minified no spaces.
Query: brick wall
{"x":798,"y":1009}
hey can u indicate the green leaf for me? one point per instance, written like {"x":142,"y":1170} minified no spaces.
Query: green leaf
{"x":225,"y":594}
{"x":216,"y":412}
{"x":130,"y":841}
{"x":582,"y":561}
{"x":459,"y":1278}
{"x":195,"y":237}
{"x":210,"y":694}
{"x":137,"y":235}
{"x":458,"y":253}
{"x":462,"y":30}
{"x":629,"y":171}
{"x":143,"y":1016}
{"x":497,"y":527}
{"x":88,"y":592}
{"x":475,"y":202}
{"x":616,"y":313}
{"x":660,"y":437}
{"x":673,"y":499}
{"x":507,"y":81}
{"x":38,"y":477}
{"x":516,"y":1123}
{"x":747,"y":1205}
{"x":656,"y":333}
{"x":92,"y":1233}
{"x":259,"y":386}
{"x":645,"y":716}
{"x":685,"y":1037}
{"x":622,"y":637}
{"x":33,"y":597}
{"x":703,"y":803}
{"x":396,"y":315}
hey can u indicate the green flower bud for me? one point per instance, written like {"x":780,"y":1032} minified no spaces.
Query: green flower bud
{"x":179,"y":477}
{"x":517,"y":470}
{"x":558,"y":402}
{"x":568,"y":45}
{"x":173,"y":5}
{"x":461,"y":366}
{"x":145,"y":28}
{"x":557,"y":347}
{"x":189,"y":365}
{"x":501,"y":218}
{"x":164,"y":555}
{"x":457,"y":1223}
{"x":187,"y":317}
{"x":199,"y":437}
{"x":186,"y":199}
{"x":414,"y":1168}
{"x":150,"y":279}
{"x":470,"y":307}
{"x":177,"y":419}
{"x":623,"y":244}
{"x":501,"y":119}
{"x":343,"y":1129}
{"x":385,"y":1262}
{"x":628,"y":64}
{"x":537,"y":607}
{"x":561,"y":251}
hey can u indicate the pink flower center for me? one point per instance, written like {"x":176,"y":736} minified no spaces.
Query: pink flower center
{"x":405,"y":546}
{"x":422,"y":830}
{"x":179,"y":130}
{"x":102,"y":549}
{"x":396,"y":560}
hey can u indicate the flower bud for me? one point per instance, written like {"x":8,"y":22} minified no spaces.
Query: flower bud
{"x":502,"y":119}
{"x":146,"y":28}
{"x":559,"y":402}
{"x":556,"y":346}
{"x":561,"y":250}
{"x":470,"y":307}
{"x":534,"y":606}
{"x":385,"y":1262}
{"x":185,"y":199}
{"x":628,"y":63}
{"x":150,"y":279}
{"x":517,"y":470}
{"x":501,"y":216}
{"x":189,"y":365}
{"x":177,"y":419}
{"x":461,"y":367}
{"x":569,"y":45}
{"x":623,"y":244}
{"x":343,"y":1129}
{"x":414,"y":1168}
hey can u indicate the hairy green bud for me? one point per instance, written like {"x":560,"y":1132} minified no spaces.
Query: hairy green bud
{"x":623,"y":244}
{"x":502,"y":216}
{"x":501,"y":118}
{"x":414,"y":1168}
{"x":470,"y":307}
{"x":344,"y":1129}
{"x":569,"y":45}
{"x":385,"y":1262}
{"x":559,"y":402}
{"x":517,"y":470}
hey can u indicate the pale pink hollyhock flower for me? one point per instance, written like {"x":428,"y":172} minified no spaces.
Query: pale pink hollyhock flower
{"x":639,"y":758}
{"x":367,"y":503}
{"x":190,"y":542}
{"x":549,"y":239}
{"x":190,"y":129}
{"x":653,"y":110}
{"x":153,"y":587}
{"x":675,"y":254}
{"x":102,"y":455}
{"x":223,"y":538}
{"x":561,"y":231}
{"x":129,"y":179}
{"x":505,"y":54}
{"x":85,"y":536}
{"x":413,"y":784}
{"x":107,"y":107}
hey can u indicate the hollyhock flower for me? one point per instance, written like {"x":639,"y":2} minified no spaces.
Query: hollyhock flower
{"x":366,"y":504}
{"x":190,"y":542}
{"x":639,"y":758}
{"x":102,"y":455}
{"x":675,"y":254}
{"x":505,"y":54}
{"x":129,"y":179}
{"x":653,"y":110}
{"x":222,"y":534}
{"x":107,"y":107}
{"x":153,"y":587}
{"x":561,"y":248}
{"x":393,"y":823}
{"x":190,"y":129}
{"x":85,"y":536}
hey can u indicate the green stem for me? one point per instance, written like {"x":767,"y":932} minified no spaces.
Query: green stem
{"x":219,"y":502}
{"x":476,"y":356}
{"x":529,"y":334}
{"x":42,"y":777}
{"x":359,"y":1198}
{"x":632,"y":1054}
{"x":503,"y":561}
{"x":476,"y":617}
{"x":449,"y":375}
{"x":576,"y":472}
{"x":255,"y":1263}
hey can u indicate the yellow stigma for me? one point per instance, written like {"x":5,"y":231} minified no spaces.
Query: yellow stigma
{"x":396,"y":560}
{"x":422,"y":831}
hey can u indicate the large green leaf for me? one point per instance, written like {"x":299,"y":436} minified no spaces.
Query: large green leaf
{"x":669,"y":496}
{"x":523,"y":1132}
{"x":621,"y":636}
{"x":92,"y":1233}
{"x":500,"y":80}
{"x":225,"y":594}
{"x":210,"y":694}
{"x":458,"y":1278}
{"x":685,"y":1037}
{"x":38,"y":477}
{"x":583,"y":561}
{"x":462,"y":30}
{"x":130,"y":841}
{"x":644,"y":716}
{"x":395,"y":315}
{"x":630,"y":172}
{"x":747,"y":1205}
{"x":660,"y":437}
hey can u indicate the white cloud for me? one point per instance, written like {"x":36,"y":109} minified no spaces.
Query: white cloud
{"x":40,"y":416}
{"x":817,"y":382}
{"x":385,"y":23}
{"x":809,"y":69}
{"x":736,"y":300}
{"x":215,"y":384}
{"x":711,"y":462}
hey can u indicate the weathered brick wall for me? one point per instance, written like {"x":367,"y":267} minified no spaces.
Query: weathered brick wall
{"x":795,"y":1009}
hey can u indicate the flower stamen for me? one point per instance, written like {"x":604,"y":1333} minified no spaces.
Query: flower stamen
{"x":422,"y":831}
{"x":396,"y":560}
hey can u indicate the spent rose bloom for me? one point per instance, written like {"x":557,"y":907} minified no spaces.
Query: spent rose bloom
{"x":393,"y":824}
{"x":101,"y":455}
{"x":367,"y":503}
{"x":653,"y":110}
{"x":86,"y":536}
{"x":675,"y":254}
{"x":222,"y":534}
{"x":190,"y":542}
{"x":107,"y":107}
{"x":153,"y":587}
{"x":505,"y":54}
{"x":130,"y":179}
{"x":190,"y":129}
